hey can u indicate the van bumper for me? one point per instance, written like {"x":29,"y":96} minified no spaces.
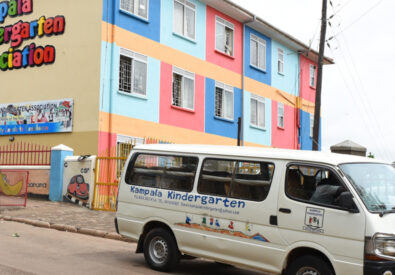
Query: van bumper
{"x":378,"y":267}
{"x":116,"y":225}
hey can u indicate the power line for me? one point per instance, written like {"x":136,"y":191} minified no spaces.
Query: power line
{"x":361,"y":16}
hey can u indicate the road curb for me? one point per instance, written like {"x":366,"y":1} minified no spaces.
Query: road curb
{"x":68,"y":228}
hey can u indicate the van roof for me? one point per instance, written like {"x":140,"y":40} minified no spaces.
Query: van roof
{"x":256,"y":152}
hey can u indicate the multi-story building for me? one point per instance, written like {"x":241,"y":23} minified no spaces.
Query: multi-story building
{"x":184,"y":71}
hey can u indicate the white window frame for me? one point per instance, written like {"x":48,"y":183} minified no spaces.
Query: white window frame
{"x":311,"y":125}
{"x":225,"y":24}
{"x":225,"y":89}
{"x":135,"y":8}
{"x":280,"y":63}
{"x":261,"y":42}
{"x":186,"y":5}
{"x":312,"y":75}
{"x":280,"y":114}
{"x":262,"y":100}
{"x":135,"y":57}
{"x":183,"y":74}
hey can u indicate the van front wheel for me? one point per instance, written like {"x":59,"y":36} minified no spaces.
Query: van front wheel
{"x":309,"y":265}
{"x":160,"y":250}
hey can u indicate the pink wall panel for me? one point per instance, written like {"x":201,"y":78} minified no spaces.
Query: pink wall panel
{"x":306,"y":91}
{"x":106,"y":140}
{"x":175,"y":116}
{"x":284,"y":137}
{"x":232,"y":63}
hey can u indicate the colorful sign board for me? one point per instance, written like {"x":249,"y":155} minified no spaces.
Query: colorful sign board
{"x":15,"y":34}
{"x":52,"y":116}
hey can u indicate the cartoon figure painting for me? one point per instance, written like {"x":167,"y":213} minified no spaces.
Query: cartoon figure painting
{"x":78,"y":188}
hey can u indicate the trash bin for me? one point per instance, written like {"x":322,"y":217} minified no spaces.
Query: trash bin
{"x":78,"y":179}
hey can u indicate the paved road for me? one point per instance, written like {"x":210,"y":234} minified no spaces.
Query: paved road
{"x":48,"y":251}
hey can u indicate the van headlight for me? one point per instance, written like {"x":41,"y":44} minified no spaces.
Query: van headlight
{"x":381,"y":246}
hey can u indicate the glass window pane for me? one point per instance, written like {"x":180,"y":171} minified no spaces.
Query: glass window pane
{"x":229,"y":41}
{"x":253,"y":53}
{"x":228,"y":105}
{"x":254,"y":112}
{"x":188,"y":93}
{"x":139,"y":77}
{"x":125,"y":72}
{"x":178,"y":20}
{"x":220,"y":37}
{"x":127,"y":5}
{"x":218,"y":102}
{"x":261,"y":114}
{"x":262,"y":56}
{"x":190,"y":23}
{"x":177,"y":82}
{"x":142,"y":8}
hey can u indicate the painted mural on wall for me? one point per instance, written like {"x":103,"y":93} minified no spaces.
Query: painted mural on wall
{"x":14,"y":34}
{"x":13,"y":187}
{"x":52,"y":116}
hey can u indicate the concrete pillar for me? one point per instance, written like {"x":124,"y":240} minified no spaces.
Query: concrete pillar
{"x":58,"y":154}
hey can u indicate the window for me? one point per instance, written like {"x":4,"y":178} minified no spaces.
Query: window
{"x":183,"y":89}
{"x":246,"y":180}
{"x":257,"y":52}
{"x":132,"y":72}
{"x":163,"y":171}
{"x":280,"y":115}
{"x":312,"y":75}
{"x":280,"y":64}
{"x":258,"y":112}
{"x":223,"y":100}
{"x":184,"y":18}
{"x":136,"y":7}
{"x":311,"y":125}
{"x":224,"y":36}
{"x":317,"y":185}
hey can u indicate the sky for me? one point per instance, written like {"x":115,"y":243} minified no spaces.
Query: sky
{"x":358,"y":98}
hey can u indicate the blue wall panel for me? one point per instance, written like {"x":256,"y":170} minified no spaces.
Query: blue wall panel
{"x":149,"y":28}
{"x":289,"y":80}
{"x":251,"y":133}
{"x":250,"y":71}
{"x":306,"y":142}
{"x":146,"y":108}
{"x":219,"y":126}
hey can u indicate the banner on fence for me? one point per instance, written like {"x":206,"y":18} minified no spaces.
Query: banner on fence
{"x":51,"y":116}
{"x":13,"y":187}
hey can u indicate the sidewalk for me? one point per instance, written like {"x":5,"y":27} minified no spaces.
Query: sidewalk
{"x":63,"y":216}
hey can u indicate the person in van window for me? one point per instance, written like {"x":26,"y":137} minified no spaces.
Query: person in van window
{"x":294,"y":187}
{"x":327,"y":192}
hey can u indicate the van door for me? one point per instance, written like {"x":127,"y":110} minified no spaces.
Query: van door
{"x":309,"y":215}
{"x":235,"y":222}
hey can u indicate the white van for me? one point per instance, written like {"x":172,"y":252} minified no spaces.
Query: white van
{"x":281,"y":211}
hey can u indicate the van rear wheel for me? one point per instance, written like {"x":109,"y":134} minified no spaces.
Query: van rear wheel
{"x":309,"y":265}
{"x":160,"y":250}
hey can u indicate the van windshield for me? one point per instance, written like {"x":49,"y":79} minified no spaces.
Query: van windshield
{"x":375,"y":184}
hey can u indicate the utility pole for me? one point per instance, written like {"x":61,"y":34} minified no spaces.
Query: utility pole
{"x":317,"y":108}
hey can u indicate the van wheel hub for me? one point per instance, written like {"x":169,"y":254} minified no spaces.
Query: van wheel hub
{"x":308,"y":271}
{"x":158,"y":250}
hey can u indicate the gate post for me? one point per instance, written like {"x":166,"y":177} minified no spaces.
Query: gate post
{"x":58,"y":153}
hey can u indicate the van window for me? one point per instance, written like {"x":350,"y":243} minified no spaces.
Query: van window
{"x":161,"y":171}
{"x":316,"y":185}
{"x":236,"y":179}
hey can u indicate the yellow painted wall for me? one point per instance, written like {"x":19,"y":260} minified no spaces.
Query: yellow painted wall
{"x":74,"y":74}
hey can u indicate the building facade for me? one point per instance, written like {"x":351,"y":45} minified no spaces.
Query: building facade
{"x":183,"y":71}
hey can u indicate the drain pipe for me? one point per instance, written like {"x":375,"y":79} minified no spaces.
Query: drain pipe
{"x":243,"y":82}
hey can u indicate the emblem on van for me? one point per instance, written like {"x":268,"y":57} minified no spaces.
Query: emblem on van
{"x":314,"y":220}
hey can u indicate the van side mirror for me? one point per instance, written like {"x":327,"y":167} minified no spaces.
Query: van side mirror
{"x":345,"y":201}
